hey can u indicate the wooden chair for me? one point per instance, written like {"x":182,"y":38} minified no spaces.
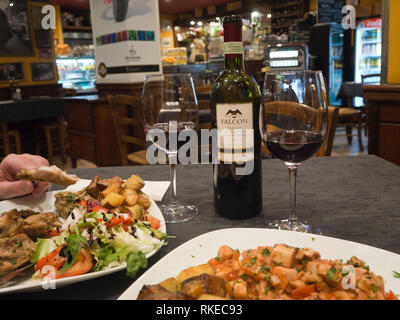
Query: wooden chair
{"x":128,"y":121}
{"x":326,"y":148}
{"x":350,"y":118}
{"x":55,"y":137}
{"x":13,"y":143}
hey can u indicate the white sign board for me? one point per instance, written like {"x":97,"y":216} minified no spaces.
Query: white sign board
{"x":127,"y":39}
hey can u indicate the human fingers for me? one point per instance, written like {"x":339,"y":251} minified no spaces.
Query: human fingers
{"x":13,"y":189}
{"x":41,"y":188}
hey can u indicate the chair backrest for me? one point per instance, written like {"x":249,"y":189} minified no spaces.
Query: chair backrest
{"x":127,"y":114}
{"x":326,"y":148}
{"x":369,"y":76}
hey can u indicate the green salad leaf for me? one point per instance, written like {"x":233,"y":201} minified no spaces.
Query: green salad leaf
{"x":74,"y":245}
{"x":134,"y":262}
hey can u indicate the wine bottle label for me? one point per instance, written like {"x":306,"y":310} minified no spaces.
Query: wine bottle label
{"x":233,"y":47}
{"x":235,"y":132}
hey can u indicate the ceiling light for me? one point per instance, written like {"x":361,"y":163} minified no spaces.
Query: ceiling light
{"x":192,"y":23}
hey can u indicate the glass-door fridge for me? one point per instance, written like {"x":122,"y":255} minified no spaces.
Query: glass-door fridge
{"x":326,"y":47}
{"x":368,"y":50}
{"x":336,"y":65}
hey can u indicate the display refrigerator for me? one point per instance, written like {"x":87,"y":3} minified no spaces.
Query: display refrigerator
{"x":326,"y":48}
{"x":77,"y":73}
{"x":368,"y":50}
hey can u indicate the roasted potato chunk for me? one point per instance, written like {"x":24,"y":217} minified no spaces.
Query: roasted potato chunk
{"x":204,"y":284}
{"x":144,"y":201}
{"x":134,"y":183}
{"x":113,"y":200}
{"x":171,"y":284}
{"x":195,"y":271}
{"x":131,"y":197}
{"x":114,"y":188}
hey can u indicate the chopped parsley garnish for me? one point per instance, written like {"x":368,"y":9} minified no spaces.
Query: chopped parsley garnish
{"x":396,"y":274}
{"x":313,"y":239}
{"x":267,"y":289}
{"x":374,"y":288}
{"x":217,"y":258}
{"x":266,"y":252}
{"x":253,"y":260}
{"x":331,"y":273}
{"x":13,"y":261}
{"x":264,"y":269}
{"x":244,"y":276}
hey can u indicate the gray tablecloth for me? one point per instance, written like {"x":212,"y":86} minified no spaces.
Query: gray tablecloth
{"x":353,"y":198}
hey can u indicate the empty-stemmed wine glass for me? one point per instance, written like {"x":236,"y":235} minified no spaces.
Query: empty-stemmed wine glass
{"x":295,"y":126}
{"x":170,"y":107}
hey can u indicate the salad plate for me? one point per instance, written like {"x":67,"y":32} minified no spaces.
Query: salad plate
{"x":46,"y":204}
{"x":205,"y":247}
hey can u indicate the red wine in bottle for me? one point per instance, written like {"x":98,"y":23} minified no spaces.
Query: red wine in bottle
{"x":235,"y":113}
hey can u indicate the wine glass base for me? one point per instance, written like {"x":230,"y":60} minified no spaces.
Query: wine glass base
{"x":177,"y":213}
{"x":294,"y":225}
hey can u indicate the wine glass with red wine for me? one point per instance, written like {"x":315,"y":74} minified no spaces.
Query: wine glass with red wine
{"x":295,"y":125}
{"x":170,"y":108}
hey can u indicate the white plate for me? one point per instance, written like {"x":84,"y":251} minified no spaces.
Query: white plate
{"x":201,"y":249}
{"x":46,"y":204}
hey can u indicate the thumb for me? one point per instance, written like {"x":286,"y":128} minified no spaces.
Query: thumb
{"x":13,"y":189}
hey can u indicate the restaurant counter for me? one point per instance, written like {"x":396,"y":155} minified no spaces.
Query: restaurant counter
{"x":352,"y":198}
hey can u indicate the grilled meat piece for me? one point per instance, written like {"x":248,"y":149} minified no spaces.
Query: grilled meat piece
{"x":15,"y":251}
{"x":156,"y":292}
{"x":36,"y":226}
{"x":10,"y":223}
{"x":204,"y":284}
{"x":93,"y":188}
{"x":66,"y":201}
{"x":51,"y":174}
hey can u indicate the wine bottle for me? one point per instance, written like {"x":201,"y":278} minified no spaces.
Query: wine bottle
{"x":235,"y":111}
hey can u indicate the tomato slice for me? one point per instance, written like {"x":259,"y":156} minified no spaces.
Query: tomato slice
{"x":127,"y":223}
{"x":83,"y":203}
{"x":53,"y":233}
{"x":83,"y":264}
{"x":99,"y":209}
{"x":154,"y":222}
{"x":114,"y":221}
{"x":45,"y":260}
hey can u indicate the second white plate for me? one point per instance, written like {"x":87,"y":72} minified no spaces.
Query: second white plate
{"x":201,"y":249}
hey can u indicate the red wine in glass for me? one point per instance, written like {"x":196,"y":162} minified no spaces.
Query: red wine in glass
{"x":293,"y":146}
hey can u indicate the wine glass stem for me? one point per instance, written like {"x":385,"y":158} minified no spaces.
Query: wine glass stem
{"x":292,"y":192}
{"x":172,"y":173}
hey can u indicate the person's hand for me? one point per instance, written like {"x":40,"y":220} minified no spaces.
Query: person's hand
{"x":11,"y":188}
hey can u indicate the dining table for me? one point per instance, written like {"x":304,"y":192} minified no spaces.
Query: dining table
{"x":355,"y":198}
